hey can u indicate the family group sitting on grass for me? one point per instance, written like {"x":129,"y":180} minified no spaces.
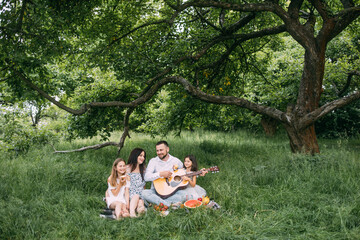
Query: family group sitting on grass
{"x":126,"y":191}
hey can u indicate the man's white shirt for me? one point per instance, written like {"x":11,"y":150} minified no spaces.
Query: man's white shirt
{"x":156,"y":165}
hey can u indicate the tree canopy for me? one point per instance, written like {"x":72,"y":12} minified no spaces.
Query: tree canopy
{"x":103,"y":61}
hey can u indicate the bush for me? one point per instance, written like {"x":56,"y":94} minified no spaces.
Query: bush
{"x":19,"y":136}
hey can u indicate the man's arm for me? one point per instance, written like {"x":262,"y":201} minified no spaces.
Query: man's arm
{"x":150,"y":173}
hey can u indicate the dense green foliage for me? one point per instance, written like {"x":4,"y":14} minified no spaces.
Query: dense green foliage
{"x":274,"y":83}
{"x":264,"y":191}
{"x":343,"y":55}
{"x":89,"y":51}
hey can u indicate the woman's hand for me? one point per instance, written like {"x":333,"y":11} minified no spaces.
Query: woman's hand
{"x":185,"y":178}
{"x":203,"y":172}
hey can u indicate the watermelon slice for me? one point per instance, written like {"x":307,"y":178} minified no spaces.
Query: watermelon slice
{"x":192,"y":203}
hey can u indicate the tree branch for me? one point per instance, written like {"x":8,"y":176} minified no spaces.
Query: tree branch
{"x":120,"y":145}
{"x":239,"y":24}
{"x":21,"y":16}
{"x":222,"y":18}
{"x":321,"y":8}
{"x":80,"y":111}
{"x":137,"y":28}
{"x":168,"y":21}
{"x":240,"y":38}
{"x":3,"y":80}
{"x":348,"y":82}
{"x":247,"y":7}
{"x":205,"y":20}
{"x":347,"y":3}
{"x":126,"y":129}
{"x":223,"y":57}
{"x":228,"y":100}
{"x":344,"y":19}
{"x":93,"y":147}
{"x":268,"y":6}
{"x":294,"y":8}
{"x":318,"y":113}
{"x":261,"y":33}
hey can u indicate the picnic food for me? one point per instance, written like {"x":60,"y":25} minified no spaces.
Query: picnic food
{"x":205,"y":200}
{"x":192,"y":203}
{"x":161,"y":207}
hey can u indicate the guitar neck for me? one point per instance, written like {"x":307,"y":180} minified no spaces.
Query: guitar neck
{"x":195,"y":173}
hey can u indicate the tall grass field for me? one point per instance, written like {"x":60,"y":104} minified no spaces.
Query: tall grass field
{"x":265,"y":191}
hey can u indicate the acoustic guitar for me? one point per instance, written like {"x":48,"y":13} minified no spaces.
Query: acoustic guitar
{"x":166,"y":187}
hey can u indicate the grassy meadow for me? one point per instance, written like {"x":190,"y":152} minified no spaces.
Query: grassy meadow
{"x":265,"y":192}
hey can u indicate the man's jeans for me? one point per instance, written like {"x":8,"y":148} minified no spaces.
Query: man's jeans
{"x":150,"y":196}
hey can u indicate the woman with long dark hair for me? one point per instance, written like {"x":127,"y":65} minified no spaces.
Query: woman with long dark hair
{"x":136,"y":171}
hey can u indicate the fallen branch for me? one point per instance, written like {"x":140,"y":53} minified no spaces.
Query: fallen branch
{"x":120,"y":145}
{"x":94,"y":147}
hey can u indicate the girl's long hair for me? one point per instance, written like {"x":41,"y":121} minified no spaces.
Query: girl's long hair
{"x":194,"y":166}
{"x":114,"y":174}
{"x":132,"y":161}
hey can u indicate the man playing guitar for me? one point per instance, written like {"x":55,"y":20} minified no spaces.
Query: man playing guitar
{"x":162,"y":167}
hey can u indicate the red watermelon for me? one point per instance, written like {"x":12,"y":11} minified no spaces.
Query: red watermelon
{"x":193,"y":203}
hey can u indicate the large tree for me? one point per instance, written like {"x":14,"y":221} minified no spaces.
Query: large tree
{"x":103,"y":57}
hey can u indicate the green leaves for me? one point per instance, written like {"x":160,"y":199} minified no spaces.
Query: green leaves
{"x":17,"y":135}
{"x":103,"y":51}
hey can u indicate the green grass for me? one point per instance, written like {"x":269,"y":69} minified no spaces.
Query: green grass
{"x":265,"y":191}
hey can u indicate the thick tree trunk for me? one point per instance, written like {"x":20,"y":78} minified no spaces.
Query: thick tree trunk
{"x":303,"y":141}
{"x":269,"y":125}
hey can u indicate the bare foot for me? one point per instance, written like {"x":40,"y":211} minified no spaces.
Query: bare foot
{"x":141,"y":210}
{"x":125,"y":214}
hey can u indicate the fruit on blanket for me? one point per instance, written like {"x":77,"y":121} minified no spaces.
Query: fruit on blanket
{"x":205,"y":200}
{"x":161,"y":207}
{"x":192,"y":203}
{"x":200,"y":199}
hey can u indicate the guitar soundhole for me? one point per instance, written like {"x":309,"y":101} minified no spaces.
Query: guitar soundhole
{"x":177,"y":178}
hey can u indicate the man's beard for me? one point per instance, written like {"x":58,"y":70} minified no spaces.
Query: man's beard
{"x":165,"y":155}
